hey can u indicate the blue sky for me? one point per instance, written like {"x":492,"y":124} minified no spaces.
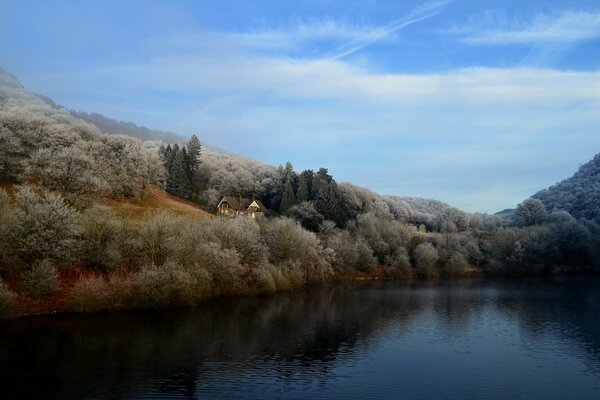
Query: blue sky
{"x":476,"y":103}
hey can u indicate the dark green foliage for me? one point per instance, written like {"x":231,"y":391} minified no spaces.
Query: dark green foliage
{"x":288,"y":199}
{"x":181,"y":166}
{"x":307,"y":215}
{"x":305,"y":186}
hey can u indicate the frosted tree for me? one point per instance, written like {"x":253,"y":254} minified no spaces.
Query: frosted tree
{"x":44,"y":225}
{"x":530,"y":212}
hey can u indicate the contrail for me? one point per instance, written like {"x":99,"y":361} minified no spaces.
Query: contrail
{"x":418,"y":14}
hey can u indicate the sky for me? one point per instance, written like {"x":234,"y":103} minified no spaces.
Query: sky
{"x":478,"y":103}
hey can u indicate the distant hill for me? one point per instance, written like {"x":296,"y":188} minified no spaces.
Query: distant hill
{"x":579,"y":195}
{"x":109,"y":125}
{"x":14,"y":95}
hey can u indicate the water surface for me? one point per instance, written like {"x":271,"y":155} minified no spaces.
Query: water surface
{"x":536,"y":339}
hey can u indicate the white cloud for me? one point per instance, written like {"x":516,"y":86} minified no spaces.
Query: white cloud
{"x":568,"y":27}
{"x":460,"y":135}
{"x":326,"y":38}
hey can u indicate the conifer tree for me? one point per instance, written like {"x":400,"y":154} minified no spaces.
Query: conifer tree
{"x":179,"y":180}
{"x":288,"y":198}
{"x":304,"y":186}
{"x":194,"y":149}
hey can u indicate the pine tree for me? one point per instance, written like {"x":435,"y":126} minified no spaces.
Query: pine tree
{"x":288,"y":198}
{"x":194,"y":149}
{"x":304,"y":186}
{"x":170,"y":156}
{"x":179,"y":180}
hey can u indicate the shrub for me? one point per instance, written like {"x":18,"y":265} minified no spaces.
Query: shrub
{"x":262,"y":280}
{"x":351,"y":253}
{"x":42,"y":280}
{"x":7,"y":300}
{"x":224,"y":267}
{"x":156,"y":233}
{"x":163,"y":286}
{"x":99,"y":228}
{"x":90,"y":294}
{"x":242,"y":235}
{"x":426,"y":258}
{"x":456,"y":265}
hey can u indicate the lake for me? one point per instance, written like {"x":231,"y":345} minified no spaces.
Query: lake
{"x":467,"y":339}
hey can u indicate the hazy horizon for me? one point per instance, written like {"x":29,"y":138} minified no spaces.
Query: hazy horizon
{"x":479,"y":104}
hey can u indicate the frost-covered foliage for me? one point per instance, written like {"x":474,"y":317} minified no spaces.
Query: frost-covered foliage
{"x":426,"y":256}
{"x":73,"y":159}
{"x":44,"y":225}
{"x":579,"y":195}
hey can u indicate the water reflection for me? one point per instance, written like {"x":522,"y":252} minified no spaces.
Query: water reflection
{"x":475,"y":339}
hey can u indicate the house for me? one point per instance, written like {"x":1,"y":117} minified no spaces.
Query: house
{"x":231,"y":206}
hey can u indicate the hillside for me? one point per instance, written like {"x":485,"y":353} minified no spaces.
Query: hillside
{"x":13,"y":95}
{"x":579,"y":195}
{"x":109,"y":125}
{"x":223,"y":173}
{"x":155,"y":201}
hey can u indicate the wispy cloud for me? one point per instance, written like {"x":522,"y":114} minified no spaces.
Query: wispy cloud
{"x":568,"y":27}
{"x":419,"y":13}
{"x":325,"y":38}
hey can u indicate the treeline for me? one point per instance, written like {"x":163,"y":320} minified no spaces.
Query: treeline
{"x":52,"y":220}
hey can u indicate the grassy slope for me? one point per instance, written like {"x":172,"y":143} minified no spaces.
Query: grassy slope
{"x":155,"y":201}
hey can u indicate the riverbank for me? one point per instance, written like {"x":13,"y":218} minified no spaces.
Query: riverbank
{"x":84,"y":291}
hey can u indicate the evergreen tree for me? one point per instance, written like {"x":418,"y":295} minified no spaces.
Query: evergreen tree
{"x":179,"y":180}
{"x":194,"y":149}
{"x":288,"y":198}
{"x":170,"y":156}
{"x":305,"y":186}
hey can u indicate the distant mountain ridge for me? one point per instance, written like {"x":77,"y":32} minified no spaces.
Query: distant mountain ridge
{"x":109,"y":125}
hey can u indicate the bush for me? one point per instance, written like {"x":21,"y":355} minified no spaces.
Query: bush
{"x":351,"y":253}
{"x":156,"y":233}
{"x":90,"y":294}
{"x":42,"y":280}
{"x":426,"y":258}
{"x":99,"y":229}
{"x":456,"y":265}
{"x":7,"y":300}
{"x":224,"y":267}
{"x":165,"y":286}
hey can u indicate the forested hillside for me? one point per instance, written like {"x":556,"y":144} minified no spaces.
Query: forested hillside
{"x":579,"y":195}
{"x":109,"y":125}
{"x":77,"y":230}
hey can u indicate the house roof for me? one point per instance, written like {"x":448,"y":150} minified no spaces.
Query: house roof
{"x":242,"y":204}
